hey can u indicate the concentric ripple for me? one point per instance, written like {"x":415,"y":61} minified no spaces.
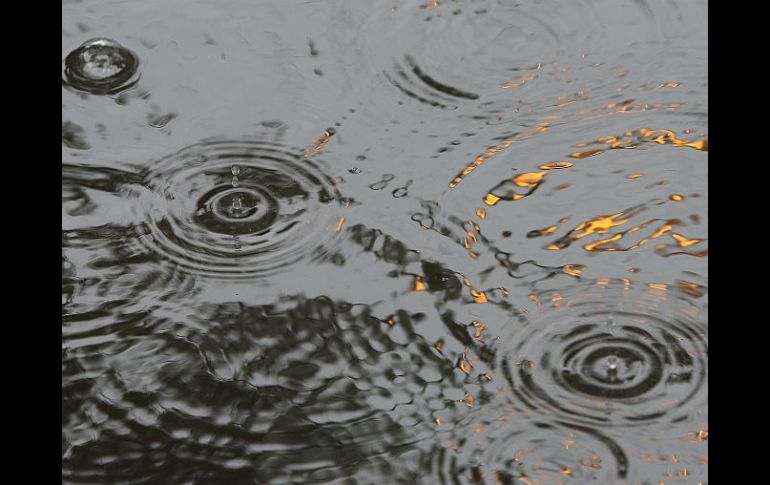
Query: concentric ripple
{"x":500,"y":448}
{"x":101,"y":66}
{"x":239,"y":208}
{"x":610,"y":354}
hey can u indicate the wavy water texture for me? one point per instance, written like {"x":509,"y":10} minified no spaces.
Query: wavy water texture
{"x":385,"y":242}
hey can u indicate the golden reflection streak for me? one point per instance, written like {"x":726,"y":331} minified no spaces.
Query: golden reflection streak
{"x":644,"y":135}
{"x":598,"y":225}
{"x":318,"y":144}
{"x":480,"y":329}
{"x":491,"y":200}
{"x":699,"y":254}
{"x":543,"y":232}
{"x":573,"y":269}
{"x":662,"y":230}
{"x":520,"y":81}
{"x":479,"y":296}
{"x":468,"y":400}
{"x":632,"y":140}
{"x":555,"y":165}
{"x":585,"y":154}
{"x":465,"y":364}
{"x":492,"y":151}
{"x":418,"y":284}
{"x":529,"y":180}
{"x":683,"y":241}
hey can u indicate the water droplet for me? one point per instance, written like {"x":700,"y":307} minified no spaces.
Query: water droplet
{"x":400,"y":192}
{"x":612,"y":368}
{"x":101,"y":66}
{"x":355,"y":170}
{"x":160,"y":121}
{"x":382,"y":183}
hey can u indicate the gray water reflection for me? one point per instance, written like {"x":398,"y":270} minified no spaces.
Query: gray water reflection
{"x":384,"y":241}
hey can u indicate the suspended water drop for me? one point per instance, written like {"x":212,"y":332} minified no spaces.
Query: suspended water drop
{"x":612,"y":368}
{"x":235,"y":170}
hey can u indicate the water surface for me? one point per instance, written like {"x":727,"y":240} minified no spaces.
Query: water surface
{"x":384,"y":242}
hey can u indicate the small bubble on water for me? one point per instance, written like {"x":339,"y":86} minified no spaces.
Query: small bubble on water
{"x":400,"y":192}
{"x":101,"y":66}
{"x":382,"y":183}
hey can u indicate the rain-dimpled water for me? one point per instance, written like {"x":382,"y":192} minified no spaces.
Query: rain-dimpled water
{"x":391,"y":241}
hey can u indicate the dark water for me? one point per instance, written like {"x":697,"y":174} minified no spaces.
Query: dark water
{"x":384,"y":242}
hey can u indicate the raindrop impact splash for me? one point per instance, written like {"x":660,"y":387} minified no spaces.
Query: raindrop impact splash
{"x":250,"y":219}
{"x":610,"y":355}
{"x":100,"y":66}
